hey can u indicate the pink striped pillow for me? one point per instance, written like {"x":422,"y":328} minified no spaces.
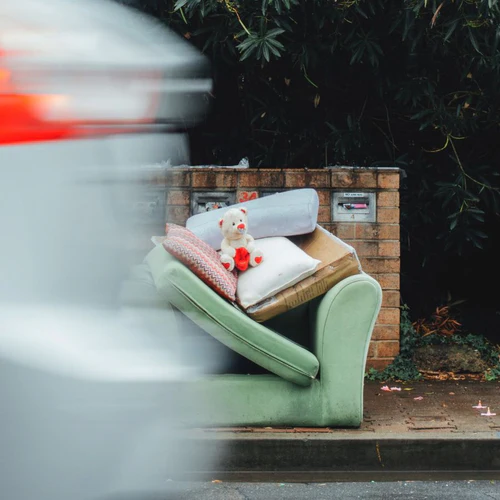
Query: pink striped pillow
{"x":201,"y":259}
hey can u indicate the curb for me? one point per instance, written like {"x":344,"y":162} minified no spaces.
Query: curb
{"x":319,"y":458}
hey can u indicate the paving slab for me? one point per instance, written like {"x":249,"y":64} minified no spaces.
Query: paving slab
{"x":426,"y":427}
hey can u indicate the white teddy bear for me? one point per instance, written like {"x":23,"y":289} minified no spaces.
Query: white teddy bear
{"x":238,"y":247}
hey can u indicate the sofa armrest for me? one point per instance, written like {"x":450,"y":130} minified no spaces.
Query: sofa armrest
{"x":342,"y":330}
{"x":230,"y":326}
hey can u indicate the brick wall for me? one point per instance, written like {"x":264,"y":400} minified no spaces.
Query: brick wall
{"x":377,"y":243}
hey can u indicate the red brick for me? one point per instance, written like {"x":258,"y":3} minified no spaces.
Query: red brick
{"x":342,"y":179}
{"x":378,"y":364}
{"x":177,"y":177}
{"x":354,"y":178}
{"x":343,"y":230}
{"x":390,"y":215}
{"x":391,"y":298}
{"x":317,"y":178}
{"x":379,"y":265}
{"x":365,"y":248}
{"x":389,"y":232}
{"x":366,"y":231}
{"x":386,"y":332}
{"x":324,"y":197}
{"x":372,"y":350}
{"x":203,"y":179}
{"x":324,"y":215}
{"x":367,"y":180}
{"x":387,"y":348}
{"x":388,"y":180}
{"x":225,"y":179}
{"x":249,"y":179}
{"x":271,"y":178}
{"x":389,"y":316}
{"x":295,"y":179}
{"x":388,"y":281}
{"x":388,"y":199}
{"x":389,"y":249}
{"x":178,"y":197}
{"x":214,"y":179}
{"x":177,"y":214}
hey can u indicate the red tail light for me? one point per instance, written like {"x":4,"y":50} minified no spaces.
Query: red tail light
{"x":72,"y":69}
{"x":91,"y":104}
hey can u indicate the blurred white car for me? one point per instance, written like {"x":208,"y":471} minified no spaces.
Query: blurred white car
{"x":93,"y":396}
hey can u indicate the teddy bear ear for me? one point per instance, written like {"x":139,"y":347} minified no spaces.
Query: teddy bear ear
{"x":220,"y":222}
{"x":244,"y":210}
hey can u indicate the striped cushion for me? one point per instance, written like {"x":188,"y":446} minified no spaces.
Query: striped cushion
{"x":201,"y":259}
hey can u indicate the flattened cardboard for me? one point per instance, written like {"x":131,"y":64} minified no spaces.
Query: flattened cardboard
{"x":338,"y":261}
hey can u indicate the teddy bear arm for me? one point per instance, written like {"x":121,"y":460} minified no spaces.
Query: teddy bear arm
{"x":226,"y":248}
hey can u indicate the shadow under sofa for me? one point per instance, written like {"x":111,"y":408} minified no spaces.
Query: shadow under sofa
{"x":311,"y":359}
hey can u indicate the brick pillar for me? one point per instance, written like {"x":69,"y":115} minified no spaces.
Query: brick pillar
{"x":377,"y":243}
{"x":378,"y":247}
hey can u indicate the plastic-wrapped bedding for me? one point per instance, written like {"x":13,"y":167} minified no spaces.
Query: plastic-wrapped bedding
{"x":283,"y":214}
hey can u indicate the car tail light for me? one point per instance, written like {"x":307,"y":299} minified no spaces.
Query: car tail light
{"x":40,"y":104}
{"x":77,"y":68}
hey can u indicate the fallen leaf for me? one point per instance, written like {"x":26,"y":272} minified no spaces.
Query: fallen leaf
{"x":216,"y":481}
{"x":419,"y":398}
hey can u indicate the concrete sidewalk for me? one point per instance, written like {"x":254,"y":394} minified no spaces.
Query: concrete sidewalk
{"x":427,"y":428}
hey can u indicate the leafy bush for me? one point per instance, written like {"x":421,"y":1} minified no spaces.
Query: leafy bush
{"x":402,"y":368}
{"x":411,"y":83}
{"x":417,"y":334}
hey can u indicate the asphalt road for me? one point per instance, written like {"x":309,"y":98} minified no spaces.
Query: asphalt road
{"x":407,"y":490}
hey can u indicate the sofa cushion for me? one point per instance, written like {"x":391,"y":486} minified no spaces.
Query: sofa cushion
{"x":225,"y":322}
{"x":284,"y":265}
{"x":283,"y":214}
{"x":201,"y":259}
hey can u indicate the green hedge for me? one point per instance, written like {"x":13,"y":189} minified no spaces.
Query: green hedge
{"x":412,"y":83}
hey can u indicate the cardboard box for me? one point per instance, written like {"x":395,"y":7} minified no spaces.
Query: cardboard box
{"x":338,"y":261}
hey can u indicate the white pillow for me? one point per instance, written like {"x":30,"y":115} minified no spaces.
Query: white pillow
{"x":284,"y":264}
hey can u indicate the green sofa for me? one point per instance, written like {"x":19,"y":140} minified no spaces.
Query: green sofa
{"x":302,"y":368}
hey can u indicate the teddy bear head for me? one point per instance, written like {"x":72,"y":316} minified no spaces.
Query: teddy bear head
{"x":234,"y":223}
